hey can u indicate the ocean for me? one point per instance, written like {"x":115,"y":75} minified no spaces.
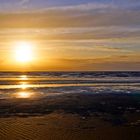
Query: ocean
{"x":68,"y":90}
{"x":43,"y":84}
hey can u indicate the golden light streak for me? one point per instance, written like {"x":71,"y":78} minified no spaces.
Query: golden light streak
{"x":24,"y":94}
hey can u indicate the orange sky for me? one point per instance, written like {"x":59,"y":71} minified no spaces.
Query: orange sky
{"x":72,"y":37}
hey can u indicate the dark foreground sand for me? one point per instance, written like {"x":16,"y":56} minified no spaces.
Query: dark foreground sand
{"x":59,"y":126}
{"x":71,"y":117}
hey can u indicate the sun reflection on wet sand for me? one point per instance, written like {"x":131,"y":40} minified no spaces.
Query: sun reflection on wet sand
{"x":23,"y":77}
{"x":24,"y":85}
{"x":24,"y":94}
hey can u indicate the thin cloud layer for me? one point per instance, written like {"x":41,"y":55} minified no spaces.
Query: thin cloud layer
{"x":93,"y":35}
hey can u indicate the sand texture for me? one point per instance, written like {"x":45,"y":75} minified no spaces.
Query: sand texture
{"x":59,"y":126}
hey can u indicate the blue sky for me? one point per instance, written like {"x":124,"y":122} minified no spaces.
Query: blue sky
{"x":16,"y":4}
{"x":35,"y":5}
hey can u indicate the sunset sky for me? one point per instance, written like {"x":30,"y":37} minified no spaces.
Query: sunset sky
{"x":68,"y":35}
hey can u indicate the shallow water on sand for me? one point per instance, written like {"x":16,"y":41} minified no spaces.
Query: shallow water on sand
{"x":41,"y":84}
{"x":41,"y":93}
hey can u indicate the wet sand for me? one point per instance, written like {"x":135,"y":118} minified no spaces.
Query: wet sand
{"x":59,"y":126}
{"x":71,"y":117}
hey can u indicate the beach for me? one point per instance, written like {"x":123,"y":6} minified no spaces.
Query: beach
{"x":64,"y":127}
{"x":70,"y":106}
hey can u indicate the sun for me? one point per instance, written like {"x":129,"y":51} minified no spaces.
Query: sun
{"x":23,"y":51}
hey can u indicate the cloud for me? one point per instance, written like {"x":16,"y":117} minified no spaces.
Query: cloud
{"x":77,"y":33}
{"x":103,"y":63}
{"x":94,"y":35}
{"x":82,"y":15}
{"x":25,"y":1}
{"x":58,"y":19}
{"x":22,"y":2}
{"x":81,"y":7}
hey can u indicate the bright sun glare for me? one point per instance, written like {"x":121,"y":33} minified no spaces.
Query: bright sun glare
{"x":24,"y":95}
{"x":23,"y":52}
